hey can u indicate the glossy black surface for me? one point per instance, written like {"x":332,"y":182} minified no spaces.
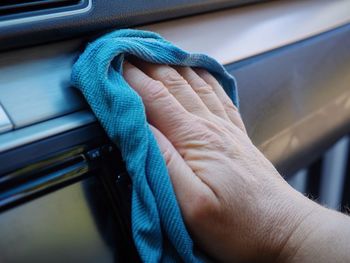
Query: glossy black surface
{"x":83,"y":215}
{"x":74,"y":224}
{"x":19,"y":8}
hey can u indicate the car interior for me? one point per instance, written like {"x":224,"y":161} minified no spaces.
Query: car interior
{"x":64,"y":190}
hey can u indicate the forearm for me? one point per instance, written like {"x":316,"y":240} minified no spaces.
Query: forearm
{"x":323,"y":236}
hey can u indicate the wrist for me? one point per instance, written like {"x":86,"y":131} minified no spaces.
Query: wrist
{"x":303,"y":227}
{"x":292,"y":222}
{"x":321,"y":237}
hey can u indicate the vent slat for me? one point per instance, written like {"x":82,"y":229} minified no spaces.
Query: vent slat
{"x":333,"y":174}
{"x":16,"y":2}
{"x":9,"y":7}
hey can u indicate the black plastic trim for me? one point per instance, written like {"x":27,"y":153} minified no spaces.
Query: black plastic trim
{"x":16,"y":9}
{"x":105,"y":15}
{"x":14,"y":159}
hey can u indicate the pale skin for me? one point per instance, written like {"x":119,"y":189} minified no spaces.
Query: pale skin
{"x":235,"y":204}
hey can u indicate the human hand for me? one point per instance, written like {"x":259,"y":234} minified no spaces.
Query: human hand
{"x":235,"y":204}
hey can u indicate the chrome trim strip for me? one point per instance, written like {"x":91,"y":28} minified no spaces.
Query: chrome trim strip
{"x":29,"y":188}
{"x":23,"y":20}
{"x":16,"y":138}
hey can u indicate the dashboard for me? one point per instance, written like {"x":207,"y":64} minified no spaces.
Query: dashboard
{"x":61,"y":190}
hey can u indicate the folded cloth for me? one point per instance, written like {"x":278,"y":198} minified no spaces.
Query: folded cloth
{"x":158,"y":229}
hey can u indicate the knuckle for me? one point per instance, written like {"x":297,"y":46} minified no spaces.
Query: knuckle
{"x":202,"y":72}
{"x":215,"y":137}
{"x":204,"y":89}
{"x":203,"y":206}
{"x":155,"y":90}
{"x":172,"y":79}
{"x":228,"y":104}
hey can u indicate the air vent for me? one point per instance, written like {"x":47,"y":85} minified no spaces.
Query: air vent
{"x":13,"y":7}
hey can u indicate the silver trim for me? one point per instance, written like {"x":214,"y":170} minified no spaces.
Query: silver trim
{"x":5,"y":123}
{"x":238,"y":33}
{"x":44,"y":130}
{"x":21,"y":192}
{"x":23,"y":20}
{"x":35,"y":83}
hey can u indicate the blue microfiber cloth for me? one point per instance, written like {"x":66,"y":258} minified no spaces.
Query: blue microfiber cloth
{"x":158,"y":229}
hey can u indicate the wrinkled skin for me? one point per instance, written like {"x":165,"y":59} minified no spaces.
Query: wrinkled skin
{"x":235,"y":204}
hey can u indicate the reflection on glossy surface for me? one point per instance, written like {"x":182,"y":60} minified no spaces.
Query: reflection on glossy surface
{"x":60,"y":227}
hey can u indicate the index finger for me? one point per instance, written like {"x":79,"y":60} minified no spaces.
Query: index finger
{"x":162,"y":109}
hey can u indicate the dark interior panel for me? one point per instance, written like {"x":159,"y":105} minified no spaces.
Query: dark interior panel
{"x":65,"y":195}
{"x":28,"y":29}
{"x":294,"y":102}
{"x":86,"y":219}
{"x":71,"y":225}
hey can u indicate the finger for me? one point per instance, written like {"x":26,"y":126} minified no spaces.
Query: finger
{"x":229,"y":107}
{"x":187,"y":185}
{"x":204,"y":91}
{"x":162,"y":109}
{"x":177,"y":86}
